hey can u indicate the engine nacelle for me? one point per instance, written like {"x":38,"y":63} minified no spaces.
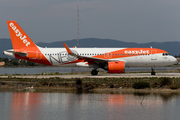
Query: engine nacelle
{"x":116,"y":67}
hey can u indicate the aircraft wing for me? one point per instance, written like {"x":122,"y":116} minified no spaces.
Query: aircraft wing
{"x":85,"y":58}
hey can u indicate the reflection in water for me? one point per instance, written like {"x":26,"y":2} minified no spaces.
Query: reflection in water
{"x":88,"y":106}
{"x":168,"y":96}
{"x":5,"y":106}
{"x":25,"y":106}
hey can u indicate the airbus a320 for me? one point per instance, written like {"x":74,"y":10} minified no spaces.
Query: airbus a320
{"x":113,"y":60}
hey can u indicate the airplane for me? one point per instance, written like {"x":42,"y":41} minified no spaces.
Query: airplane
{"x":113,"y":60}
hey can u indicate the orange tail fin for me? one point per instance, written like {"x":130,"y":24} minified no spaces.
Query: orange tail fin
{"x":20,"y":40}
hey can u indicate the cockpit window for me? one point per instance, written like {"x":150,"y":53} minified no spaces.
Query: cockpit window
{"x":165,"y":54}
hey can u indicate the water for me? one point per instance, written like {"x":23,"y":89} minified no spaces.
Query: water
{"x":39,"y":70}
{"x":88,"y":106}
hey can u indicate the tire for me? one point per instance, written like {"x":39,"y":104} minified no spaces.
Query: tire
{"x":94,"y":72}
{"x":153,"y":73}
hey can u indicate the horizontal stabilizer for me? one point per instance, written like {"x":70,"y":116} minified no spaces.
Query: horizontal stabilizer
{"x":22,"y":54}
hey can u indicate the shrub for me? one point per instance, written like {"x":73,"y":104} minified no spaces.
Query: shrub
{"x":173,"y":87}
{"x":79,"y":84}
{"x":78,"y":81}
{"x":166,"y":81}
{"x":141,"y":85}
{"x":155,"y":84}
{"x":111,"y":86}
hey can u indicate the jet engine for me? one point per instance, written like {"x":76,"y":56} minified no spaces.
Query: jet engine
{"x":116,"y":67}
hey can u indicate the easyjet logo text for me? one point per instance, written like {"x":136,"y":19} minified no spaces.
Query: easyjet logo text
{"x":19,"y":34}
{"x":136,"y":52}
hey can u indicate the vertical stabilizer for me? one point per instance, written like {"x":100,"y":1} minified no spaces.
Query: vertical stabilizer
{"x":20,"y":40}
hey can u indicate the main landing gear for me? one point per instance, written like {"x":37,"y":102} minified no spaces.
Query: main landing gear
{"x":153,"y":72}
{"x":94,"y":72}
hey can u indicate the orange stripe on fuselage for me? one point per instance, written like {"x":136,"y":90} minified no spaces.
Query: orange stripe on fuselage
{"x":129,"y":52}
{"x":123,"y":53}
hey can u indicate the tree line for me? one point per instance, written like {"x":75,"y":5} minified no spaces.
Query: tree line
{"x":18,"y":62}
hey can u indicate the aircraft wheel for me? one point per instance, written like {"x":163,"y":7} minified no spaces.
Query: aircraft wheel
{"x":94,"y":72}
{"x":153,"y":73}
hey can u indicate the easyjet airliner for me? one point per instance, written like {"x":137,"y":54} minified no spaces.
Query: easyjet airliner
{"x":114,"y":60}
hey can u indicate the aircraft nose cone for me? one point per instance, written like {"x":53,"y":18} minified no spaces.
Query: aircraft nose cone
{"x":174,"y":60}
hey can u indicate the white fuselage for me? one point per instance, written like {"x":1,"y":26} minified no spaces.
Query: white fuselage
{"x":59,"y":56}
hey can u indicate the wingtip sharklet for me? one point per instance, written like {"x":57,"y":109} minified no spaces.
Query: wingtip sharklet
{"x":67,"y":48}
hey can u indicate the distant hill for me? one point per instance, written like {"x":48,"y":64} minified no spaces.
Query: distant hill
{"x":5,"y":44}
{"x":172,"y":47}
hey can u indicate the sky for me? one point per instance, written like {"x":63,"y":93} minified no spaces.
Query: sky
{"x":138,"y":21}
